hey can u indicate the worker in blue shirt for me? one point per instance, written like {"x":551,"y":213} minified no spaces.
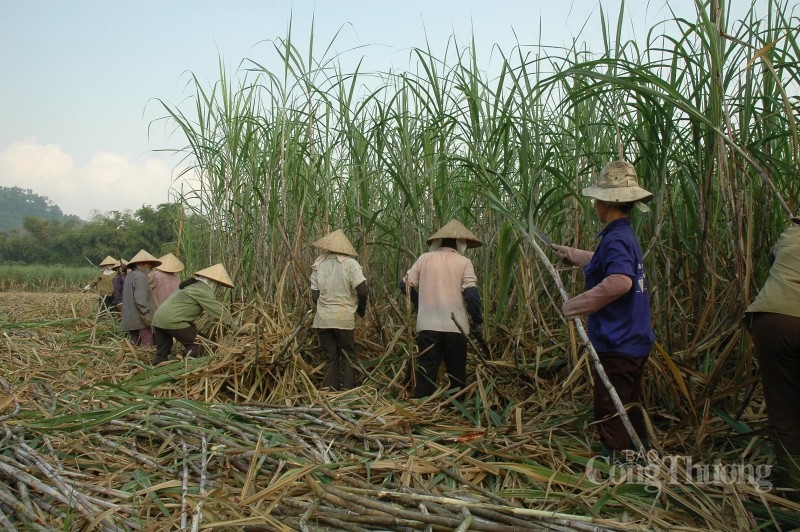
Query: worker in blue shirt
{"x":616,"y":302}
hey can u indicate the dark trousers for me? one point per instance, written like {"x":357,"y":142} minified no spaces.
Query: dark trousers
{"x":106,"y":303}
{"x":186,"y":336}
{"x":776,"y":338}
{"x":625,"y":373}
{"x":435,"y":347}
{"x":339,"y":347}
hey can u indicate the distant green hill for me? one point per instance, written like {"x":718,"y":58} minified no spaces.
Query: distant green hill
{"x":16,"y":204}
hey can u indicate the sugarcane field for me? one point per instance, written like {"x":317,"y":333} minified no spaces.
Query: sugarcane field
{"x":621,"y":231}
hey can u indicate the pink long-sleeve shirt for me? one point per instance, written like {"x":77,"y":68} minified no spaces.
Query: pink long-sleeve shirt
{"x":440,"y":277}
{"x":163,"y":285}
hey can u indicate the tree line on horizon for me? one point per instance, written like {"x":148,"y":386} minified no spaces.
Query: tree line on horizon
{"x":33,"y":230}
{"x":16,"y":203}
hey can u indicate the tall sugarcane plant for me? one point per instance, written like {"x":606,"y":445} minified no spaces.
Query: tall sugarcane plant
{"x":704,"y":108}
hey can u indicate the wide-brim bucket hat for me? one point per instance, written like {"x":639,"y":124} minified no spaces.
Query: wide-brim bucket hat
{"x":216,"y":273}
{"x":108,"y":261}
{"x":618,"y":184}
{"x":336,"y":242}
{"x":170,"y":264}
{"x":455,"y":229}
{"x":144,"y":256}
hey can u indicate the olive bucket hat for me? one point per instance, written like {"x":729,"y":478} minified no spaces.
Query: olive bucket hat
{"x":619,"y":184}
{"x":336,"y":242}
{"x":455,"y":229}
{"x":216,"y":273}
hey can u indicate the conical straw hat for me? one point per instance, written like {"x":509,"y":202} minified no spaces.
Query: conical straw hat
{"x":143,"y":256}
{"x":336,"y":242}
{"x":108,"y":261}
{"x":216,"y":273}
{"x":618,"y":184}
{"x":455,"y":229}
{"x":170,"y":264}
{"x":119,"y":264}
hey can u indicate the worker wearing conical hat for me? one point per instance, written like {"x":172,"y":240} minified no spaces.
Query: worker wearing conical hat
{"x":121,"y":269}
{"x":616,"y":301}
{"x":175,"y":318}
{"x":164,"y":278}
{"x":443,"y":287}
{"x":339,"y":290}
{"x":103,"y":283}
{"x":136,"y":315}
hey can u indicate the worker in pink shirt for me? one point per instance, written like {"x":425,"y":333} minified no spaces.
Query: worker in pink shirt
{"x":444,"y":289}
{"x":164,"y":279}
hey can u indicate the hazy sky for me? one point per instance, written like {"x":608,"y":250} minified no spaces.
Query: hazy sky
{"x":80,"y":78}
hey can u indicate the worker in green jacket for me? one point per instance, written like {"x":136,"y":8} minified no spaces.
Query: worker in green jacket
{"x":174,"y":319}
{"x":103,"y":283}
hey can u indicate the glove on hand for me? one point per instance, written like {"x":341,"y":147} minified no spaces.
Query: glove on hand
{"x":561,"y":254}
{"x":361,"y":311}
{"x":573,"y":256}
{"x":147,"y":322}
{"x":477,"y":330}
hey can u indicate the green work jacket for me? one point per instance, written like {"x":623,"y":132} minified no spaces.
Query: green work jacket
{"x":182,"y":308}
